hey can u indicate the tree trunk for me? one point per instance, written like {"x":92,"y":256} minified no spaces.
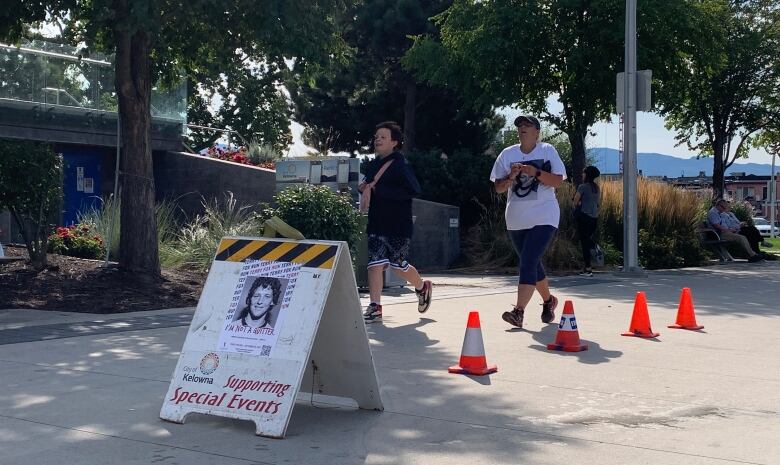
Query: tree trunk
{"x":138,"y":248}
{"x":410,"y":109}
{"x":577,"y":141}
{"x":35,"y":239}
{"x":718,"y":184}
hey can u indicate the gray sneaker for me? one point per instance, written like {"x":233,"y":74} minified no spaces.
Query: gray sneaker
{"x":424,"y":297}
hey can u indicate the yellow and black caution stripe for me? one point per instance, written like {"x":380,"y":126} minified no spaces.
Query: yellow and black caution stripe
{"x":308,"y":255}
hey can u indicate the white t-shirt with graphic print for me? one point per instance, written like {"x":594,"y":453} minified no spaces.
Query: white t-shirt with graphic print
{"x":531,"y":203}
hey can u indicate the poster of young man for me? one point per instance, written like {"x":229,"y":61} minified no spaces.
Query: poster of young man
{"x":257,"y":308}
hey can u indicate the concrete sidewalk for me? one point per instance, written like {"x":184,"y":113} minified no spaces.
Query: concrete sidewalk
{"x":87,"y":389}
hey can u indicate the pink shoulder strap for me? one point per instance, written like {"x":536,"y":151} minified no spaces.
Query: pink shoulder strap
{"x":381,"y":172}
{"x":365,"y":198}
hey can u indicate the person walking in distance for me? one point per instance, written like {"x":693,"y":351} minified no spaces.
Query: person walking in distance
{"x":529,"y":172}
{"x":586,"y":214}
{"x":390,"y":186}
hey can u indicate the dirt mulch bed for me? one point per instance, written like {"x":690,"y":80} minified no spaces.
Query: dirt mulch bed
{"x":76,"y":285}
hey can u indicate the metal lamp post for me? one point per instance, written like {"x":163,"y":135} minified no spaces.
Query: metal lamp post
{"x":630,"y":227}
{"x":773,"y":195}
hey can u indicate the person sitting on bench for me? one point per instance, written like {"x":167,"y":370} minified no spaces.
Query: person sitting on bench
{"x":728,"y":227}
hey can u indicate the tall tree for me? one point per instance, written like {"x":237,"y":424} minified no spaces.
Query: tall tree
{"x":341,"y":106}
{"x":252,"y":103}
{"x":519,"y":53}
{"x":721,"y":99}
{"x":156,"y":39}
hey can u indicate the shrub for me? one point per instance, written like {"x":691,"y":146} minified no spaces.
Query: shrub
{"x":30,"y":189}
{"x":77,"y":241}
{"x":319,"y":213}
{"x":460,"y":179}
{"x":743,"y":211}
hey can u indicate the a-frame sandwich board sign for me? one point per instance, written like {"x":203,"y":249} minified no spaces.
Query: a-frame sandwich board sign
{"x":272,"y":312}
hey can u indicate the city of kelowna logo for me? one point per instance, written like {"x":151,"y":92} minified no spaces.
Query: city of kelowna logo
{"x":208,"y":365}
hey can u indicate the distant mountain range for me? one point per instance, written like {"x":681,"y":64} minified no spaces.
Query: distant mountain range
{"x":656,"y":164}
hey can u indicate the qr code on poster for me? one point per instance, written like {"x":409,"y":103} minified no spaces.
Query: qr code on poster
{"x":266,"y":351}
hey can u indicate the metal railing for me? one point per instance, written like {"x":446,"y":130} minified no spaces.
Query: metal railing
{"x":44,"y":73}
{"x":222,"y":130}
{"x":59,"y":92}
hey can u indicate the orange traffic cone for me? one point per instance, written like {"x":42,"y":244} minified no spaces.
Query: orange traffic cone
{"x":568,"y":337}
{"x":685,"y":316}
{"x":640,"y":320}
{"x":472,"y":357}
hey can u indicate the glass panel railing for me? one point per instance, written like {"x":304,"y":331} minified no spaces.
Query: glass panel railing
{"x":57,"y":76}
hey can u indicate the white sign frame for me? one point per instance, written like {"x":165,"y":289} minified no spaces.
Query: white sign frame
{"x":322,"y":331}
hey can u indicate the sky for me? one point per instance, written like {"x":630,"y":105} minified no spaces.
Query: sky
{"x":653,"y":137}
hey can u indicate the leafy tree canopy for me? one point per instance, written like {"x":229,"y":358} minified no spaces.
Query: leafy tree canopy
{"x":154,"y":40}
{"x":729,"y":89}
{"x":515,"y":53}
{"x":340,"y":107}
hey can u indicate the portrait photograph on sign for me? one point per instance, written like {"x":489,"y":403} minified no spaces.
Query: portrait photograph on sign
{"x":256,"y":312}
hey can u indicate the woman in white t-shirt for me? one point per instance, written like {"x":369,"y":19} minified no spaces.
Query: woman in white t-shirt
{"x":529,"y":173}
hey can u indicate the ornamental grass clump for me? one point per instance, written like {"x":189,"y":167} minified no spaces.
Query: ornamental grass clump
{"x":194,"y":245}
{"x":105,"y":221}
{"x":667,"y":221}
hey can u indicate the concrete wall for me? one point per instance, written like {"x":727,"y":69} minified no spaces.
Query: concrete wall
{"x":189,"y":178}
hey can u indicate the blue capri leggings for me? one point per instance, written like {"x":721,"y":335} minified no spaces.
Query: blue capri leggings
{"x":530,"y":245}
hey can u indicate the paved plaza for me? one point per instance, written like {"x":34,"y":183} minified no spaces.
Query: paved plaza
{"x":87,"y":389}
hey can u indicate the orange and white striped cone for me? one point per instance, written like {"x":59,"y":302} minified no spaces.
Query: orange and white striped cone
{"x":472,"y":356}
{"x":568,"y":337}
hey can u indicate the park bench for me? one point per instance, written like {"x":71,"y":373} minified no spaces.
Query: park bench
{"x":710,"y":239}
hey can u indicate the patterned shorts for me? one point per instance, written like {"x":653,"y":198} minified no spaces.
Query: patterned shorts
{"x":388,"y":250}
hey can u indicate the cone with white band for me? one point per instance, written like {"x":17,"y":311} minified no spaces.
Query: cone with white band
{"x":568,"y":337}
{"x":472,"y":356}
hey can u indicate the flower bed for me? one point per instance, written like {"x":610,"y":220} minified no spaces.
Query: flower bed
{"x":76,"y":241}
{"x":240,"y":156}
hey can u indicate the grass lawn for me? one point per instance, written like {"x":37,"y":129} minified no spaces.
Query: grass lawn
{"x":775,"y":245}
